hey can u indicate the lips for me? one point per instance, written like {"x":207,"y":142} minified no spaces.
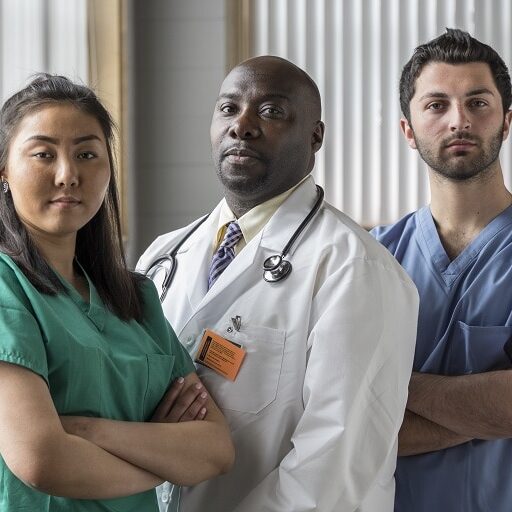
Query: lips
{"x":66,"y":200}
{"x":242,"y":153}
{"x":460,"y":143}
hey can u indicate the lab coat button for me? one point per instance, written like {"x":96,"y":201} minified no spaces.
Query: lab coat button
{"x":165,"y":497}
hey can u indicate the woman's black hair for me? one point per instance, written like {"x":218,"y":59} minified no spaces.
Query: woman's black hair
{"x":99,"y":246}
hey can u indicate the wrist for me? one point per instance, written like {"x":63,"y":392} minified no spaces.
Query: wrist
{"x":421,"y":391}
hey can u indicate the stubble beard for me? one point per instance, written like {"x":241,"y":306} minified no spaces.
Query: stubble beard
{"x":454,"y":166}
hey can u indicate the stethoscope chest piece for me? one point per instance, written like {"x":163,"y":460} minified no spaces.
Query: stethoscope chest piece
{"x":276,"y":268}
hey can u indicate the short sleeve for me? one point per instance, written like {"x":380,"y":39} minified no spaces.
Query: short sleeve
{"x":21,"y":340}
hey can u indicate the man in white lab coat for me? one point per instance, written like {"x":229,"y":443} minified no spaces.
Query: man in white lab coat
{"x":319,"y":398}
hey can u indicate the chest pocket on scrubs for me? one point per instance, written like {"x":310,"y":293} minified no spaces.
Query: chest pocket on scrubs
{"x":159,"y":378}
{"x":257,"y":381}
{"x":476,"y":349}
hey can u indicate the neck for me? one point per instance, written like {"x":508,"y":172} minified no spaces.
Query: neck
{"x":461,"y":209}
{"x":238,"y":207}
{"x":59,"y":253}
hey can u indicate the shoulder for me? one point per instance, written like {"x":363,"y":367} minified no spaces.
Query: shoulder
{"x":164,"y":244}
{"x":13,"y":284}
{"x":392,"y":235}
{"x":347,"y":244}
{"x":338,"y":229}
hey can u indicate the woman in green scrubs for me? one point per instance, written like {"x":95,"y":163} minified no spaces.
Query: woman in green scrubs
{"x":86,"y":355}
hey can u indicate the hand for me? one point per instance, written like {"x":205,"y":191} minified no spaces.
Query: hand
{"x":182,"y":403}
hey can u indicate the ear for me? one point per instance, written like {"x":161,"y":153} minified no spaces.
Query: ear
{"x":506,"y":124}
{"x":317,"y":137}
{"x":408,"y":132}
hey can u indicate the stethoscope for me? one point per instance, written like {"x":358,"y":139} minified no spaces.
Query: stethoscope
{"x":275,"y":268}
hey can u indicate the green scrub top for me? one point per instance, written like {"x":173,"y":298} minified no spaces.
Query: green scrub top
{"x":94,"y":364}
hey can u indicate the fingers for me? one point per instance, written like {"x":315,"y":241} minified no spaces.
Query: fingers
{"x":197,"y":409}
{"x":182,"y":403}
{"x":188,"y":403}
{"x":168,"y":400}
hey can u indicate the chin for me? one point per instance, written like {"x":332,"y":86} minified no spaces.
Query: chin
{"x":242,"y":183}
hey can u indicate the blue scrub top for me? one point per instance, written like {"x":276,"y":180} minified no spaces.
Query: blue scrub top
{"x":465,"y":318}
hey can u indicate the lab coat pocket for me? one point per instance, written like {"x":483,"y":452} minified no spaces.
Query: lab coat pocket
{"x":159,"y":378}
{"x":257,"y":381}
{"x":476,"y":349}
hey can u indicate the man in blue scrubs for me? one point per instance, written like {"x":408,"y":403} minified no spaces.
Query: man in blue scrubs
{"x":455,"y":451}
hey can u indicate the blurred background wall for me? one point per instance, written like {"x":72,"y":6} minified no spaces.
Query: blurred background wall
{"x":158,"y":65}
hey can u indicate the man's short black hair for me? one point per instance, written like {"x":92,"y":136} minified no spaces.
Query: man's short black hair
{"x":454,"y":47}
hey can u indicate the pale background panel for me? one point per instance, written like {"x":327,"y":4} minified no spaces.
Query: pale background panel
{"x":41,"y":35}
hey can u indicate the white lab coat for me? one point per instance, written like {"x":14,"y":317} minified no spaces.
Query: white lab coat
{"x":317,"y":405}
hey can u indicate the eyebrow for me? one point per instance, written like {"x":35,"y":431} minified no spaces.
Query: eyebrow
{"x":235,"y":96}
{"x":52,"y":140}
{"x":474,"y":92}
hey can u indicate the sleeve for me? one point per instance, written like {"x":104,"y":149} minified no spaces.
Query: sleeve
{"x":360,"y":351}
{"x":21,"y":340}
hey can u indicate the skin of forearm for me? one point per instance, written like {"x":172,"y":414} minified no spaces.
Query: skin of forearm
{"x":419,"y":435}
{"x":66,"y":465}
{"x":182,"y":453}
{"x":475,"y":406}
{"x":35,"y":447}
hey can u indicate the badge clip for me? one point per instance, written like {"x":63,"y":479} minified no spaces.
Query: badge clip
{"x":237,"y":322}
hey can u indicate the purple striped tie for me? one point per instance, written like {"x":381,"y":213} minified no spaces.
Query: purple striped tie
{"x":225,"y":253}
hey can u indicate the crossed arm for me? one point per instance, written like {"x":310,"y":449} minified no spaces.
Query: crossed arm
{"x":94,"y":458}
{"x":445,"y":411}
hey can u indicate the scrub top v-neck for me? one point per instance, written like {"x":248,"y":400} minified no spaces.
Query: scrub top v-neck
{"x":94,"y":363}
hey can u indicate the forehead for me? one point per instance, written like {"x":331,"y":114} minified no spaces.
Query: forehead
{"x":249,"y":83}
{"x":62,"y":119}
{"x":454,"y":79}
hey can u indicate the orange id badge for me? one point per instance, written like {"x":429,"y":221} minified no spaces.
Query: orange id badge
{"x":220,"y":354}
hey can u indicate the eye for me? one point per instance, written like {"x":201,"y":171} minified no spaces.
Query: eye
{"x":435,"y":106}
{"x":86,"y":155}
{"x":271,"y":111}
{"x":227,"y":108}
{"x":43,"y":154}
{"x":478,"y":103}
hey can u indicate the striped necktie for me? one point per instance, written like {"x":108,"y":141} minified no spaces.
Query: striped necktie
{"x":225,"y":253}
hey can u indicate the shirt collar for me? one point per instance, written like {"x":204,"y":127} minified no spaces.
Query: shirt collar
{"x":252,"y":222}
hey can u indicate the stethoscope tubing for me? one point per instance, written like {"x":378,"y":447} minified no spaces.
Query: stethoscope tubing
{"x":174,"y":263}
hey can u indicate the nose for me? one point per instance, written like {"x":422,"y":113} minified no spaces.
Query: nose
{"x":459,"y":119}
{"x":245,"y":125}
{"x":66,"y":174}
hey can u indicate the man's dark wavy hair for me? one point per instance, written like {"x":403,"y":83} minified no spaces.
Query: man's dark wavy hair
{"x":99,"y":247}
{"x":453,"y":47}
